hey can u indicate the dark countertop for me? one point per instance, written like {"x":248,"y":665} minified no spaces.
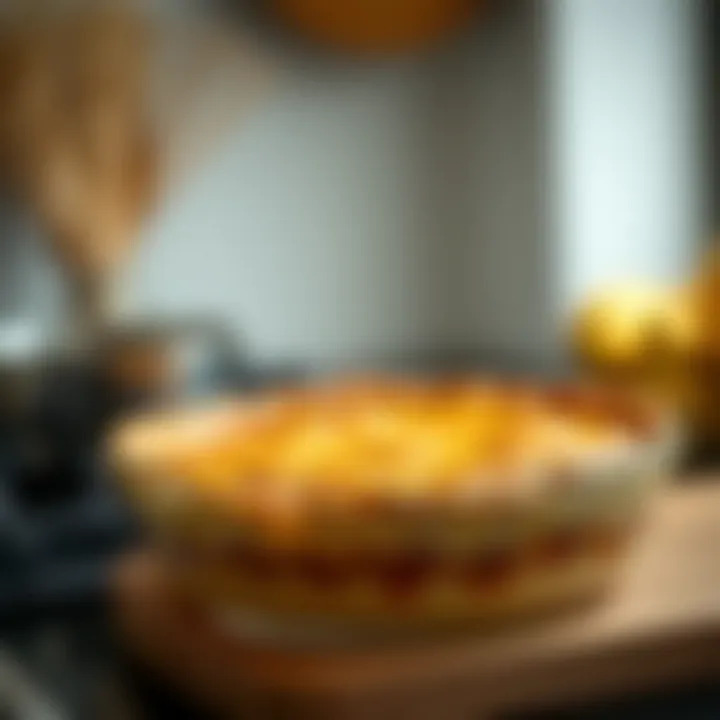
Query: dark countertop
{"x":76,"y":667}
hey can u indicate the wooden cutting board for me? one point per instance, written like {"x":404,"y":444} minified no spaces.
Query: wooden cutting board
{"x":660,"y":626}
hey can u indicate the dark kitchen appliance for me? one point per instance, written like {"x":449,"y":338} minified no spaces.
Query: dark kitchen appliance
{"x":62,"y":519}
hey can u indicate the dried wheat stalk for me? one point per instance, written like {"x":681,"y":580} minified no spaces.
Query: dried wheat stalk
{"x":97,"y":112}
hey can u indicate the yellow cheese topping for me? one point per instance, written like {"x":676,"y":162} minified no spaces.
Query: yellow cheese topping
{"x":380,"y":435}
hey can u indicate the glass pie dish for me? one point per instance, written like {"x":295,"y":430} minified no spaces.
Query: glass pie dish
{"x":395,"y":502}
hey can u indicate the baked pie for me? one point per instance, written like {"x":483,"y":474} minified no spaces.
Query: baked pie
{"x":396,"y":499}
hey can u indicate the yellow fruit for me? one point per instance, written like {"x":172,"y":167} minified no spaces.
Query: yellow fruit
{"x":635,"y":328}
{"x":706,"y":298}
{"x":377,"y":25}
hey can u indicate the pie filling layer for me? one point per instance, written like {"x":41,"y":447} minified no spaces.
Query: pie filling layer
{"x":406,"y":573}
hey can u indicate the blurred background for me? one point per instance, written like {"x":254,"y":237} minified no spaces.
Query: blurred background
{"x":212,"y":196}
{"x":459,"y":199}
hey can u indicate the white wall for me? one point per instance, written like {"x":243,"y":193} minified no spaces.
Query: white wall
{"x":626,"y":137}
{"x":374,"y":211}
{"x":303,"y":235}
{"x":503,"y":257}
{"x":468,"y":200}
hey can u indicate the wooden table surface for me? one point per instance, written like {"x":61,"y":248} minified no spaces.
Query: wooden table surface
{"x":659,"y":627}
